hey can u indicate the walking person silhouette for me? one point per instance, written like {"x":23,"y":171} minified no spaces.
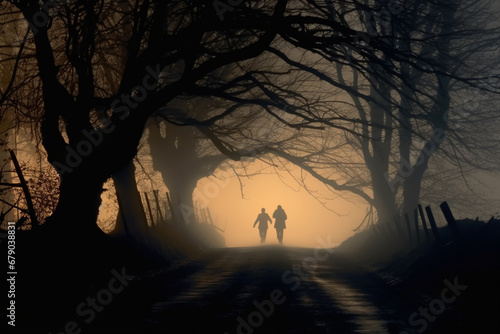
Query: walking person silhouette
{"x":279,"y":224}
{"x":262,"y":219}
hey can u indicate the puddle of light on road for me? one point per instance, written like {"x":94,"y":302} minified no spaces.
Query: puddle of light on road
{"x":353,"y":302}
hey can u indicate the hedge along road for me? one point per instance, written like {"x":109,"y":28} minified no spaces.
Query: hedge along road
{"x":265,"y":289}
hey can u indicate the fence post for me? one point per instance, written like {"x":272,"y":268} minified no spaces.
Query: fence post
{"x":452,"y":224}
{"x":120,"y":212}
{"x":387,"y":229}
{"x":165,"y":206}
{"x":392,"y":229}
{"x":434,"y":228}
{"x":397,"y":222}
{"x":158,"y":208}
{"x":415,"y":219}
{"x":377,"y":231}
{"x":149,"y":209}
{"x":424,"y":223}
{"x":26,"y":191}
{"x":408,"y":226}
{"x":170,"y":209}
{"x":205,"y":215}
{"x":209,"y":216}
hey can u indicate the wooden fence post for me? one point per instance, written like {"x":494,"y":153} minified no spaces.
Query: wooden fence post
{"x":26,"y":191}
{"x":408,"y":227}
{"x":424,"y":223}
{"x":165,"y":206}
{"x":169,"y":202}
{"x":452,"y":224}
{"x":415,"y":219}
{"x":377,"y":231}
{"x":204,"y":215}
{"x":149,"y":209}
{"x":120,"y":211}
{"x":391,"y":230}
{"x":386,"y":230}
{"x":397,"y":222}
{"x":209,"y":216}
{"x":434,"y":228}
{"x":158,"y":208}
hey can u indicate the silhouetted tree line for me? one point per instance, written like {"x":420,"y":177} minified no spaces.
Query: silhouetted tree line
{"x":360,"y":94}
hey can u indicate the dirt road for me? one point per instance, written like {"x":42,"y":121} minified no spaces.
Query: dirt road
{"x":269,"y":289}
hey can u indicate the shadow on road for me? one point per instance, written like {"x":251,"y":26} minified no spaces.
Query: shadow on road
{"x":267,"y":289}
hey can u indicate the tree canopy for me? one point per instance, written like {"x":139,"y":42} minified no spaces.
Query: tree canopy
{"x":88,"y":75}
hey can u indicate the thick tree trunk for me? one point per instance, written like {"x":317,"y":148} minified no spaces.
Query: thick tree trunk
{"x":411,"y":192}
{"x":181,"y":189}
{"x":78,"y":207}
{"x":175,"y":156}
{"x":131,"y":220}
{"x":413,"y":183}
{"x":378,"y":161}
{"x":383,"y":196}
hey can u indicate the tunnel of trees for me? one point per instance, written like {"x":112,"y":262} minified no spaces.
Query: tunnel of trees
{"x":369,"y":97}
{"x":389,"y":102}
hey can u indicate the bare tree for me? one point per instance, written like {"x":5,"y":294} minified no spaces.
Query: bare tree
{"x":90,"y":130}
{"x":403,"y":108}
{"x":151,"y":49}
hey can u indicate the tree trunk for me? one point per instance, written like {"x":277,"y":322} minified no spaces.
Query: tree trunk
{"x":131,"y":219}
{"x":76,"y":212}
{"x":181,"y":188}
{"x":411,"y":190}
{"x":381,"y":142}
{"x":175,"y":156}
{"x":383,"y":196}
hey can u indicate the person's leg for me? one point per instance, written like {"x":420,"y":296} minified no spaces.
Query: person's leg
{"x":262,"y":235}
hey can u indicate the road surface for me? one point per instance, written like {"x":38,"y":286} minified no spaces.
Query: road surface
{"x":267,"y":289}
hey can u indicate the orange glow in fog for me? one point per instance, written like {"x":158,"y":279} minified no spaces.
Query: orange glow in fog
{"x":307,"y":218}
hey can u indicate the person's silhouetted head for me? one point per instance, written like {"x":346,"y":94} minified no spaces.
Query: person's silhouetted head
{"x":263,"y":210}
{"x":279,"y":206}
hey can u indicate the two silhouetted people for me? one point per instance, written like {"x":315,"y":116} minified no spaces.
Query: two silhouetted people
{"x":279,"y":215}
